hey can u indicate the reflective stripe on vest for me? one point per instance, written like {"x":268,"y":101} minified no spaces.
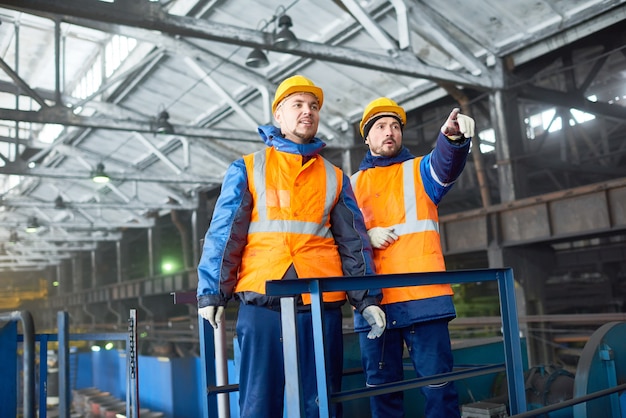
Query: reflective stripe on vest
{"x":411,"y":225}
{"x":282,"y":225}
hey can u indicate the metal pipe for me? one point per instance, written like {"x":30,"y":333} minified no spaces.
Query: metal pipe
{"x":207,"y":356}
{"x":221,"y":370}
{"x":64,"y":364}
{"x":57,"y":62}
{"x":61,"y":287}
{"x":28,"y":328}
{"x":89,"y":314}
{"x":144,"y":307}
{"x":418,"y":382}
{"x":43,"y":374}
{"x":114,"y":312}
{"x":17,"y":95}
{"x":150,"y":254}
{"x":194,"y":235}
{"x":132,"y":370}
{"x":570,"y":402}
{"x":94,"y":279}
{"x":118,"y":253}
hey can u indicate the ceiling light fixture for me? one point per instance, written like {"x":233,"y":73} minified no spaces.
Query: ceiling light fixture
{"x":163,"y":126}
{"x":99,"y":175}
{"x":59,"y":203}
{"x":33,"y":225}
{"x":285,"y":37}
{"x":282,"y":37}
{"x":257,"y":59}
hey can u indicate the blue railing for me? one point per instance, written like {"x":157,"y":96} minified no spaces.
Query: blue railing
{"x":289,"y":289}
{"x":9,"y":338}
{"x":8,"y":348}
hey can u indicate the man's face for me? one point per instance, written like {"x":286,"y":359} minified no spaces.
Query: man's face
{"x":298,"y":116}
{"x":385,"y":137}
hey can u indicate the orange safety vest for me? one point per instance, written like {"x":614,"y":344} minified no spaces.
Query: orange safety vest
{"x":394,"y":196}
{"x":290,"y":220}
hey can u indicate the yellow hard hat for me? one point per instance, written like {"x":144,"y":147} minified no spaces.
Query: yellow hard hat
{"x":382,"y":105}
{"x":296,"y":84}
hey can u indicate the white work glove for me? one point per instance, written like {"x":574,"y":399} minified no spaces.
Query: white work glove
{"x":381,"y":237}
{"x":458,"y":125}
{"x":376,"y":318}
{"x":213,"y":314}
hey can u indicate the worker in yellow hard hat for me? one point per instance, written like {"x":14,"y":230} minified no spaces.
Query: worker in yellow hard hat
{"x":285,"y":212}
{"x":398,"y":194}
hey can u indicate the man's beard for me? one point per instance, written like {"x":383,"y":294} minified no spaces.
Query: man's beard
{"x":303,"y":136}
{"x":388,"y":152}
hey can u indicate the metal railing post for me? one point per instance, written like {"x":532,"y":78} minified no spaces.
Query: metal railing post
{"x":207,"y":365}
{"x":28,"y":329}
{"x":512,"y":343}
{"x":64,"y":363}
{"x":293,"y":387}
{"x":43,"y":374}
{"x":132,"y":370}
{"x":317,"y":313}
{"x":221,"y":370}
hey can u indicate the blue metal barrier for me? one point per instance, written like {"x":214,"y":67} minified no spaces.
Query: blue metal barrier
{"x":8,"y":340}
{"x":7,"y":399}
{"x":289,"y":289}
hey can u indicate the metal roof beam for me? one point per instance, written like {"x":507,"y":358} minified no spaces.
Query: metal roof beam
{"x":25,"y":247}
{"x":151,"y":16}
{"x":573,"y":100}
{"x":64,"y":116}
{"x":369,"y":24}
{"x":22,"y":84}
{"x":213,"y":85}
{"x":98,"y":224}
{"x":26,"y":266}
{"x":133,"y":205}
{"x":157,"y":152}
{"x":33,"y":254}
{"x":425,"y":22}
{"x":60,"y":173}
{"x":73,"y":237}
